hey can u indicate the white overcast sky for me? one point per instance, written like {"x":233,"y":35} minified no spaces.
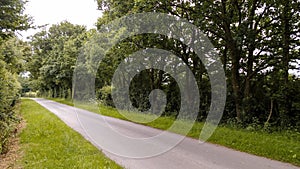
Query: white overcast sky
{"x":83,"y":12}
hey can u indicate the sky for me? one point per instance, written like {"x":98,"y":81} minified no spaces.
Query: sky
{"x":83,"y":12}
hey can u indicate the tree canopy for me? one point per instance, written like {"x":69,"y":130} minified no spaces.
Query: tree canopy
{"x":12,"y":18}
{"x":257,"y":42}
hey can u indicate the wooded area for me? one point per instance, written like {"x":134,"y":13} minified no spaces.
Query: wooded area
{"x":258,"y":42}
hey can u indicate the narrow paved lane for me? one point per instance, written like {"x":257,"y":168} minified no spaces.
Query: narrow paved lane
{"x":189,"y":154}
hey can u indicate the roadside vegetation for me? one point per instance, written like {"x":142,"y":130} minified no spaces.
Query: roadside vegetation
{"x":47,"y":142}
{"x":259,"y":53}
{"x":282,"y":146}
{"x":13,"y":54}
{"x":258,"y":45}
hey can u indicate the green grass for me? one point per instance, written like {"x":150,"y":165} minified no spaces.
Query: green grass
{"x":48,"y":143}
{"x":282,"y":146}
{"x":279,"y":146}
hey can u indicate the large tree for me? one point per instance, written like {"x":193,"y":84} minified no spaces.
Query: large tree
{"x":256,"y":39}
{"x":54,"y":57}
{"x":12,"y":18}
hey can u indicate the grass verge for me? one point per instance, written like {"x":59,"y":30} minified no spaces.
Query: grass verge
{"x":47,"y":142}
{"x":282,"y":146}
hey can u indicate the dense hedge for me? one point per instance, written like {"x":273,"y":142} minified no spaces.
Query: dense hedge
{"x":9,"y":95}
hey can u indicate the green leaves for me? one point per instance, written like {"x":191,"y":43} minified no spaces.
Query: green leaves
{"x":13,"y":54}
{"x":256,"y":40}
{"x":55,"y":54}
{"x":12,"y":18}
{"x":9,"y":94}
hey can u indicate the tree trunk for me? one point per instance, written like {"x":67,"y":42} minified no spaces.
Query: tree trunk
{"x":271,"y":111}
{"x":231,"y":44}
{"x":236,"y":87}
{"x":286,"y":17}
{"x":224,"y":58}
{"x":286,"y":40}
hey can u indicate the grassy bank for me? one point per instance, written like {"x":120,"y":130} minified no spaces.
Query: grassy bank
{"x":282,"y":146}
{"x":47,"y":142}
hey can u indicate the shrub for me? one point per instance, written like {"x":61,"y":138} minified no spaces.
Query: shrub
{"x":104,"y":94}
{"x":30,"y":94}
{"x":9,"y":94}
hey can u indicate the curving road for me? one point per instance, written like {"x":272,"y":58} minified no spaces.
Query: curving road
{"x":188,"y":154}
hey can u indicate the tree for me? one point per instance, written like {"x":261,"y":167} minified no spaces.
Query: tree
{"x":257,"y":39}
{"x":54,"y":57}
{"x":12,"y":18}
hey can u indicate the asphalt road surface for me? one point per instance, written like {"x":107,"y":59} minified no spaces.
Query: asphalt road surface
{"x":188,"y":154}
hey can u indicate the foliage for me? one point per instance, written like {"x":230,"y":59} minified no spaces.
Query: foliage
{"x":9,"y":88}
{"x":13,"y":54}
{"x":12,"y":18}
{"x":55,"y":53}
{"x":104,"y":94}
{"x":258,"y":42}
{"x":11,"y":63}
